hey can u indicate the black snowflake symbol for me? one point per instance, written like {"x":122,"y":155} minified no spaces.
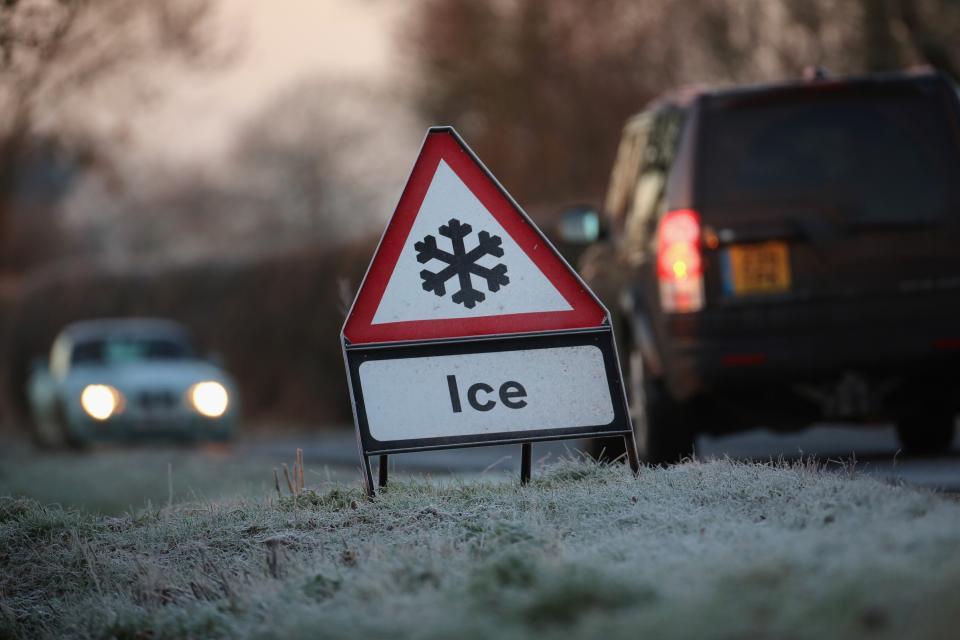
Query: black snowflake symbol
{"x":461,"y":263}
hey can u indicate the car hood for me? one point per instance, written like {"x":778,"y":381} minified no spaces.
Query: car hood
{"x":173,"y":375}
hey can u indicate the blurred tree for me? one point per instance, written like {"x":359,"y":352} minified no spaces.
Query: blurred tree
{"x":289,"y":157}
{"x":53,"y":52}
{"x":45,"y":171}
{"x":881,"y":50}
{"x":541,"y":88}
{"x":320,"y":162}
{"x":531,"y":82}
{"x":931,"y":28}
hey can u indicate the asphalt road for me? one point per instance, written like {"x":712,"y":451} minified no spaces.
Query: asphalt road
{"x":873,"y":450}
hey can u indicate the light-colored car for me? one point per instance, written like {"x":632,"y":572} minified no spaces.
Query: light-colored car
{"x":129,"y":379}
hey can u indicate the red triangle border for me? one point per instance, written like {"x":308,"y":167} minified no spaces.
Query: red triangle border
{"x":443,"y":143}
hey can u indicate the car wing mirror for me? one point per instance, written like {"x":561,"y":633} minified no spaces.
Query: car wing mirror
{"x":580,"y":226}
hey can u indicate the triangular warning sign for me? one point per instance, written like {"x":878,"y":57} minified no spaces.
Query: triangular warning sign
{"x":459,"y":258}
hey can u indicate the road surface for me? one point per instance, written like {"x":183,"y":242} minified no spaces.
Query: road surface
{"x":874,"y":450}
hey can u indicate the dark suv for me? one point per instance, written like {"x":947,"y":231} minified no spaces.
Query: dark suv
{"x":782,"y":254}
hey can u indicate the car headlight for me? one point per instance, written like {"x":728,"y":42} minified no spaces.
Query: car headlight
{"x":101,"y":401}
{"x":209,"y":398}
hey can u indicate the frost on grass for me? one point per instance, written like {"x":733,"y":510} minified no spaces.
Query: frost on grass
{"x":718,"y":549}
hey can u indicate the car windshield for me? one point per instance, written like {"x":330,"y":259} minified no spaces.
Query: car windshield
{"x":126,"y":349}
{"x":872,"y":154}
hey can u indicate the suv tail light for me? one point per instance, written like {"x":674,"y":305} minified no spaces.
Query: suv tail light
{"x":679,"y":262}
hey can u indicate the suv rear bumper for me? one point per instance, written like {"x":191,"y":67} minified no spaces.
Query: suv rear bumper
{"x":717,"y":365}
{"x":857,"y":359}
{"x":790,"y":383}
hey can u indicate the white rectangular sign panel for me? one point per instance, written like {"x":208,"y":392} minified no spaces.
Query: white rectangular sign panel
{"x":474,"y":394}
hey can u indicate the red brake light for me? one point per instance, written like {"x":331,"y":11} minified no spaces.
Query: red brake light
{"x":680,"y":226}
{"x":679,"y":261}
{"x":743,"y":359}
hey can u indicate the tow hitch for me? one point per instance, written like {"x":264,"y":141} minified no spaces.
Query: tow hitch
{"x":853,"y":395}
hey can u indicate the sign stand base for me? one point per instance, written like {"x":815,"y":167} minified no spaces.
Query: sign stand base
{"x":367,"y":476}
{"x":526,"y":464}
{"x":382,"y":474}
{"x":383,"y":469}
{"x":632,"y":456}
{"x":526,"y":458}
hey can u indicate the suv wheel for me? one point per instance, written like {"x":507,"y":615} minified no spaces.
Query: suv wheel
{"x":664,"y":433}
{"x":926,"y":432}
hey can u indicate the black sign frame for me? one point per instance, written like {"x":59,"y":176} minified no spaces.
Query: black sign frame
{"x":601,"y":337}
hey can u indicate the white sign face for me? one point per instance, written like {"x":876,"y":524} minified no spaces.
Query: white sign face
{"x":486,"y":393}
{"x":426,"y":280}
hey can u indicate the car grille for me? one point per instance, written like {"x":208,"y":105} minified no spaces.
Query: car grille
{"x":152,"y":401}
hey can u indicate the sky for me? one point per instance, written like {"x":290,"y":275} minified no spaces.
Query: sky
{"x":191,"y":127}
{"x":276,"y":44}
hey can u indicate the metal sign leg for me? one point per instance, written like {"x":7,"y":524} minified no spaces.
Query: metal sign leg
{"x":367,"y":476}
{"x":383,"y":471}
{"x":632,"y":456}
{"x":526,"y":458}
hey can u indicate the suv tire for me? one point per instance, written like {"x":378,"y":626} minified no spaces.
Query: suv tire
{"x":926,"y":432}
{"x":663,"y":429}
{"x":661,"y":425}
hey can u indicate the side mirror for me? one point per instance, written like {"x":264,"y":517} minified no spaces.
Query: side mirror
{"x":580,"y":226}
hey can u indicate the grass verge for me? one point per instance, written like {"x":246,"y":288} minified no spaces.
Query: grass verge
{"x":114,"y":480}
{"x":718,"y":549}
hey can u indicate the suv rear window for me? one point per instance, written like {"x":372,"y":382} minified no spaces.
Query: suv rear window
{"x":872,"y":153}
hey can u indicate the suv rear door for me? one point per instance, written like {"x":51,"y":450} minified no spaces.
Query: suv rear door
{"x":830,"y":191}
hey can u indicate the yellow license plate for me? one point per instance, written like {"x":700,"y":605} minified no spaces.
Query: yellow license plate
{"x":757,"y":268}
